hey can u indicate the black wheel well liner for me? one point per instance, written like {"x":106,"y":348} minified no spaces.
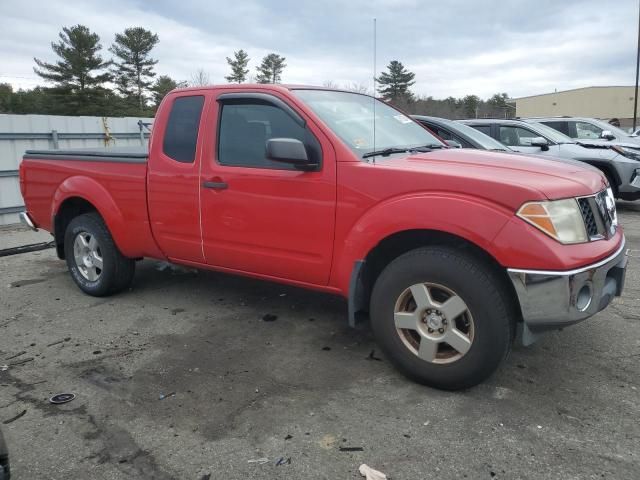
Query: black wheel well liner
{"x":607,"y":169}
{"x":69,"y":209}
{"x":366,"y":271}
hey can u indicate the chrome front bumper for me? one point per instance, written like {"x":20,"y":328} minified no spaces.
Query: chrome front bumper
{"x":552,"y":300}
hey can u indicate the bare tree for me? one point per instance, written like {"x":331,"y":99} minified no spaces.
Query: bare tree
{"x":199,"y":79}
{"x":357,"y":88}
{"x":330,"y":84}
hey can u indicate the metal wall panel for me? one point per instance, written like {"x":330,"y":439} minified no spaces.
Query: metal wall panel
{"x":23,"y":132}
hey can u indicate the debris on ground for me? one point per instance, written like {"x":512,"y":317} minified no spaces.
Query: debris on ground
{"x":175,"y":269}
{"x":351,"y":449}
{"x":4,"y":368}
{"x":371,"y":474}
{"x":259,"y":461}
{"x":269,"y":317}
{"x":20,"y":362}
{"x":62,"y":398}
{"x":206,"y":476}
{"x":162,"y":396}
{"x":16,"y":355}
{"x":288,"y":437}
{"x":59,"y":341}
{"x":13,"y":419}
{"x":372,"y":356}
{"x":326,"y":349}
{"x":282,"y":461}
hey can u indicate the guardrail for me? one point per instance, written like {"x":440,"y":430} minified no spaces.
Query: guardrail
{"x":54,"y":137}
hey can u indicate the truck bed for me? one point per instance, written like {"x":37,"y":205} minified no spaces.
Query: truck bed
{"x":113,"y":180}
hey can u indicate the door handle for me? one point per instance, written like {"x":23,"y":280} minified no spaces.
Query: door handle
{"x":215,"y":185}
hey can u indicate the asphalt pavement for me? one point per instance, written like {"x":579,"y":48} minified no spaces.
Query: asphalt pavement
{"x":195,"y":373}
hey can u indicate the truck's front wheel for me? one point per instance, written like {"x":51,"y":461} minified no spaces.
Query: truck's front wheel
{"x":94,"y":261}
{"x":442,"y":317}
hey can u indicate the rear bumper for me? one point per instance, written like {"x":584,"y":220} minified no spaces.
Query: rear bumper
{"x":26,"y":220}
{"x":552,"y":300}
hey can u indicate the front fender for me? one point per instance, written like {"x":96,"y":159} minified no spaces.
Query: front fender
{"x":474,"y":219}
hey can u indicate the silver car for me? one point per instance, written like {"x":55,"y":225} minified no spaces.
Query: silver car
{"x":621,"y":165}
{"x":589,"y":130}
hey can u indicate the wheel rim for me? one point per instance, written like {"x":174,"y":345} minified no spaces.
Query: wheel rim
{"x":434,"y":323}
{"x":88,"y":256}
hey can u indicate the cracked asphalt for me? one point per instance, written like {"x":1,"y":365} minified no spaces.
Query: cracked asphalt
{"x":302,"y":386}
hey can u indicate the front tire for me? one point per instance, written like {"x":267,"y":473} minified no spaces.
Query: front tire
{"x":95,"y":263}
{"x":442,"y":316}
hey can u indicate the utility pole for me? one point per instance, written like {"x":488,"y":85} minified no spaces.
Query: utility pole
{"x":635,"y":97}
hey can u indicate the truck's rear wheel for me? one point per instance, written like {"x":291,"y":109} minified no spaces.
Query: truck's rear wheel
{"x":442,"y":317}
{"x":94,"y":261}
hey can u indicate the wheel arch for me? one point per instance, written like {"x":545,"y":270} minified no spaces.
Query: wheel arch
{"x":78,"y":195}
{"x":366,"y":271}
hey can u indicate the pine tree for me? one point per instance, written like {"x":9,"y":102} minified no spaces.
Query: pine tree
{"x":270,"y":70}
{"x":394,"y":85}
{"x":77,"y":70}
{"x":134,"y":67}
{"x":238,"y":64}
{"x":163,"y":85}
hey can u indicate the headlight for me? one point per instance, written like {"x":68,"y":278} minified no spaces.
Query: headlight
{"x":632,"y":153}
{"x":560,"y":219}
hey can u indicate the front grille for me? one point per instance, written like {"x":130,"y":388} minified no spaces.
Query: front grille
{"x":598,"y":220}
{"x":588,"y":217}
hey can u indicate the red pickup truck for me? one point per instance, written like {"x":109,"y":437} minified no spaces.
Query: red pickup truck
{"x":453,"y":253}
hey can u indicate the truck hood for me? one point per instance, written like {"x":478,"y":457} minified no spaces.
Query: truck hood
{"x":533,"y":176}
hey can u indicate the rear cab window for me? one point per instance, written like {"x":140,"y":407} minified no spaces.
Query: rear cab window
{"x":181,"y":135}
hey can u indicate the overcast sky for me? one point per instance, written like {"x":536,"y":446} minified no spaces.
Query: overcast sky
{"x":455,"y":47}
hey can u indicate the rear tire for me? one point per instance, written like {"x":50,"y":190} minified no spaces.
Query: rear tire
{"x":95,"y":263}
{"x":452,"y":345}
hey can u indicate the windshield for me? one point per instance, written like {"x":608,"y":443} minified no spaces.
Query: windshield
{"x":551,"y":133}
{"x":485,"y":141}
{"x":350,"y":116}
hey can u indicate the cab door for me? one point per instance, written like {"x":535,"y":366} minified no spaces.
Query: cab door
{"x":173,"y":178}
{"x":259,"y":215}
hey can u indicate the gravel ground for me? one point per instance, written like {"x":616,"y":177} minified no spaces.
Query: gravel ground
{"x":301,"y":387}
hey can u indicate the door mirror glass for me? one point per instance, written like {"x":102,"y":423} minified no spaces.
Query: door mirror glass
{"x":289,"y":150}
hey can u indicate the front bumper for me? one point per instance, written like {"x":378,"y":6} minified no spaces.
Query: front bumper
{"x":551,"y":300}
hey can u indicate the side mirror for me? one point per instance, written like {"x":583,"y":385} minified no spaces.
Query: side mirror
{"x":289,"y":150}
{"x":541,"y":142}
{"x":453,"y":143}
{"x":607,"y":135}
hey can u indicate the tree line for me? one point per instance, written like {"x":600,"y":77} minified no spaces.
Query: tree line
{"x":86,"y":83}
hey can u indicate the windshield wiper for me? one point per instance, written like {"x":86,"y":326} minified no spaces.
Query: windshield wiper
{"x":389,"y":151}
{"x":386,"y":152}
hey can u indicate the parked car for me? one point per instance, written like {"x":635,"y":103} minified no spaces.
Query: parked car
{"x":451,"y":251}
{"x":590,"y":129}
{"x":621,"y":167}
{"x":5,"y":470}
{"x":465,"y":136}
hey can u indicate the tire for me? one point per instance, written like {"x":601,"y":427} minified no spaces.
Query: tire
{"x":88,"y":237}
{"x":487,"y":323}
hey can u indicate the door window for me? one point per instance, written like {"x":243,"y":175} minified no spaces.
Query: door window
{"x":245,"y":129}
{"x":586,"y":130}
{"x":486,"y":129}
{"x":561,"y":126}
{"x":181,"y":134}
{"x":513,"y":136}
